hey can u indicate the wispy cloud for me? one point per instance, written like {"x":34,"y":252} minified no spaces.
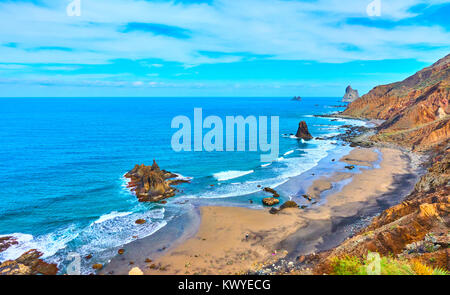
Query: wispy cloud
{"x":194,"y":33}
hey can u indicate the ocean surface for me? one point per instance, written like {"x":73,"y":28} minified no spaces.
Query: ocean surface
{"x":62,"y":162}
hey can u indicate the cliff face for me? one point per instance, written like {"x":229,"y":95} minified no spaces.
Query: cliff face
{"x":416,"y":109}
{"x":416,"y":113}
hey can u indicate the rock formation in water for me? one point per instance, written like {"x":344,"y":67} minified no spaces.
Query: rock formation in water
{"x":6,"y":242}
{"x":302,"y":131}
{"x":297,"y":98}
{"x":270,"y":201}
{"x":28,"y":263}
{"x":416,"y":110}
{"x":151,"y":184}
{"x":350,"y":94}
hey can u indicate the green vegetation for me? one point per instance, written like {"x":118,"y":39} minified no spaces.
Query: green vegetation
{"x":352,"y":265}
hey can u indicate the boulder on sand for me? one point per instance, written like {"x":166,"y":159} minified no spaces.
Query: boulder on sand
{"x":289,"y":204}
{"x":135,"y":271}
{"x":302,"y":131}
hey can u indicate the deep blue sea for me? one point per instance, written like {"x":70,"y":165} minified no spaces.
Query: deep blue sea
{"x":62,"y":162}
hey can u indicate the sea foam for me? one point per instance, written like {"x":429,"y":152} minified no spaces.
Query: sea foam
{"x":231,"y":174}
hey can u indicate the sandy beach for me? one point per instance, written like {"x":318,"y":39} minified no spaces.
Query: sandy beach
{"x":232,"y":240}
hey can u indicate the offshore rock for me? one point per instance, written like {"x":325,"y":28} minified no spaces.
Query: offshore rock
{"x":350,"y":94}
{"x":302,"y":131}
{"x":151,"y":184}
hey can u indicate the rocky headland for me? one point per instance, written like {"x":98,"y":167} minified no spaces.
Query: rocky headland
{"x":415,"y":111}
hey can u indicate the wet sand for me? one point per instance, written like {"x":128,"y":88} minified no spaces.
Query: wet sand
{"x":233,"y":240}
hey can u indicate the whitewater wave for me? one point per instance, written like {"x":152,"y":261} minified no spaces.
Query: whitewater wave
{"x":112,"y":215}
{"x":288,"y":152}
{"x":231,"y":174}
{"x":108,"y":231}
{"x":47,"y":244}
{"x":181,"y":177}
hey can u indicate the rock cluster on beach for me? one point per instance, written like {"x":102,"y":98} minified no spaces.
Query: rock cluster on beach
{"x":28,"y":263}
{"x":151,"y":184}
{"x":350,"y":94}
{"x":302,"y":131}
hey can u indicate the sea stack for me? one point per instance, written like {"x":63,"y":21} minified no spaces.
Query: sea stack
{"x":302,"y":131}
{"x":350,"y":94}
{"x":151,"y":184}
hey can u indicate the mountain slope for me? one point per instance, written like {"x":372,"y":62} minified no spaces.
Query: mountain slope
{"x":416,"y":110}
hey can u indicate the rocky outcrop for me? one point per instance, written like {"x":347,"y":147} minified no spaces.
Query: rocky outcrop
{"x":151,"y":184}
{"x":28,"y":263}
{"x":270,"y":201}
{"x":302,"y":131}
{"x":271,"y":191}
{"x":6,"y":242}
{"x":297,"y":98}
{"x":350,"y":94}
{"x":416,"y":110}
{"x":285,"y":205}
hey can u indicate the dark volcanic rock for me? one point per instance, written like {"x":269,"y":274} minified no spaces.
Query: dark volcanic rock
{"x":28,"y":264}
{"x":302,"y":131}
{"x":272,"y":191}
{"x":350,"y":94}
{"x":289,"y":204}
{"x":6,"y":242}
{"x":151,"y":184}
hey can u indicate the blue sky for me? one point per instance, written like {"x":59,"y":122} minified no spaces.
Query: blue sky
{"x":215,"y":47}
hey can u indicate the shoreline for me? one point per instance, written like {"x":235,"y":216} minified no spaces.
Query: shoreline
{"x":304,"y":231}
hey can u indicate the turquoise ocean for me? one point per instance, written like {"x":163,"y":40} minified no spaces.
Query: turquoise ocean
{"x":62,"y":162}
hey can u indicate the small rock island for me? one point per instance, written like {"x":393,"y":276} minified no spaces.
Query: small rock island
{"x":302,"y":131}
{"x":151,"y":184}
{"x":350,"y":94}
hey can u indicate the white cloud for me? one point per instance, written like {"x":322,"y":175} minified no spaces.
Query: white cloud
{"x":281,"y":29}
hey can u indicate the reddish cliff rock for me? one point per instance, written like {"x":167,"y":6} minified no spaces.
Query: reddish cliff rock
{"x":416,"y":229}
{"x":416,"y":109}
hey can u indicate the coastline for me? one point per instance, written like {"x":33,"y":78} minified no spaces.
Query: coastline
{"x":347,"y":199}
